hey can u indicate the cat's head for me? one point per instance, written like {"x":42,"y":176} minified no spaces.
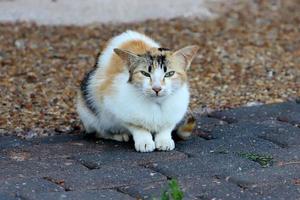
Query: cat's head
{"x":159,"y":72}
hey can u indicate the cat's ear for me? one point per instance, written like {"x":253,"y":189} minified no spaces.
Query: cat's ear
{"x":127,"y":56}
{"x":186,"y":55}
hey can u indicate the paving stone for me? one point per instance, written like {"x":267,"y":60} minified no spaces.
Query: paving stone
{"x":213,"y":188}
{"x":8,"y":197}
{"x":23,"y":169}
{"x":228,"y":145}
{"x":277,"y":192}
{"x":240,"y":129}
{"x":288,"y":155}
{"x":256,"y":113}
{"x":18,"y":186}
{"x":107,"y":177}
{"x":4,"y":157}
{"x":12,"y":142}
{"x":194,"y":188}
{"x":57,"y":139}
{"x":292,"y":118}
{"x":122,"y":156}
{"x":207,"y":124}
{"x":282,"y":134}
{"x":75,"y":195}
{"x":205,"y":165}
{"x":146,"y":191}
{"x":267,"y":176}
{"x":50,"y":151}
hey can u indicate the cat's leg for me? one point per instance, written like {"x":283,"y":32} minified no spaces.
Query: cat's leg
{"x":122,"y":137}
{"x":143,"y":141}
{"x":117,"y":134}
{"x":91,"y":125}
{"x":164,"y":141}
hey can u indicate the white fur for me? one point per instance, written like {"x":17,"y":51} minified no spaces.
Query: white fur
{"x":126,"y":106}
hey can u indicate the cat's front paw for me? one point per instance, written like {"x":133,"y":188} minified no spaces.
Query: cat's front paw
{"x":144,"y":146}
{"x":164,"y":144}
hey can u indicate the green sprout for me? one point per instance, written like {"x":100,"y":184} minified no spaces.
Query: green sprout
{"x":173,"y":192}
{"x":263,"y":160}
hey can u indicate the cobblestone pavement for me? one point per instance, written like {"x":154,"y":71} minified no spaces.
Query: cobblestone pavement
{"x":244,"y":153}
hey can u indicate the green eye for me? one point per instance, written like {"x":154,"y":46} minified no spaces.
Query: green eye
{"x":169,"y":74}
{"x":145,"y":73}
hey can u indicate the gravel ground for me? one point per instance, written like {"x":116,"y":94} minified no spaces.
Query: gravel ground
{"x":249,"y":54}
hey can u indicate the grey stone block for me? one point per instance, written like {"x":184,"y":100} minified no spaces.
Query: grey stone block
{"x":256,"y":113}
{"x":282,"y":134}
{"x":8,"y":197}
{"x":291,"y":118}
{"x":75,"y":195}
{"x":52,"y":151}
{"x":279,"y":133}
{"x":205,"y":165}
{"x":213,"y":188}
{"x":12,"y":142}
{"x":277,"y":192}
{"x":266,"y":177}
{"x":108,"y":177}
{"x":57,"y":139}
{"x":122,"y":156}
{"x":32,"y":168}
{"x":147,"y":190}
{"x":207,"y":124}
{"x":240,"y":129}
{"x":228,"y":145}
{"x":288,"y":155}
{"x":15,"y":187}
{"x":194,"y":188}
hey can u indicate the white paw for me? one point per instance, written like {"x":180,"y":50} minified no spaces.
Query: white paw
{"x":164,"y":144}
{"x":144,"y":145}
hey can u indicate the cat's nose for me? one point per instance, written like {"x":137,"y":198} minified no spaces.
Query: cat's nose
{"x":156,"y":90}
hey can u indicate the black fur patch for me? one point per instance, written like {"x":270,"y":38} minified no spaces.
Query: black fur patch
{"x":165,"y":69}
{"x":84,"y":90}
{"x":161,"y":61}
{"x":163,"y":49}
{"x":149,"y":68}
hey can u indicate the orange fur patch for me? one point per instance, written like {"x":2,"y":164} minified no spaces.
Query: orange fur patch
{"x":187,"y":127}
{"x":117,"y":66}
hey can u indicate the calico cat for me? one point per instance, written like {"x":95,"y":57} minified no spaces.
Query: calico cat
{"x":137,"y":88}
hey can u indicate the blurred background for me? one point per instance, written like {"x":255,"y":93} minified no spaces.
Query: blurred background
{"x":249,"y":53}
{"x":78,"y":12}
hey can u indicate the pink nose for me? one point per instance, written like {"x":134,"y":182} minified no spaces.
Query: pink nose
{"x":156,"y":89}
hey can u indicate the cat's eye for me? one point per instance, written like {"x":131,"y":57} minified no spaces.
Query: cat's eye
{"x":145,"y":73}
{"x":169,"y":74}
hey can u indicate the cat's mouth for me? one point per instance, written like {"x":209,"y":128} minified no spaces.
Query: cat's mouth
{"x":155,"y":95}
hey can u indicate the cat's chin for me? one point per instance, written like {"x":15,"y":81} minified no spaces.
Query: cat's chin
{"x":157,"y":99}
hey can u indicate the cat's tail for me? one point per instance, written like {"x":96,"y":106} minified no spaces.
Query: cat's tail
{"x":186,"y":127}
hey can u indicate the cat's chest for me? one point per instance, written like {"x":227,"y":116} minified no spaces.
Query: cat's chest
{"x":155,"y":116}
{"x":151,"y":114}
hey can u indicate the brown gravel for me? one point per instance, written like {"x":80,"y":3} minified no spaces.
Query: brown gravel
{"x":247,"y":55}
